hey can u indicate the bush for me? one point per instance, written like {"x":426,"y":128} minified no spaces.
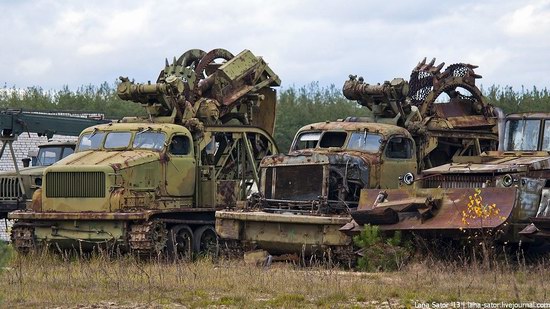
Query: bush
{"x":379,"y":253}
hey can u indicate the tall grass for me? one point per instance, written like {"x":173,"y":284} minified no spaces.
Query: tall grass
{"x":53,"y":280}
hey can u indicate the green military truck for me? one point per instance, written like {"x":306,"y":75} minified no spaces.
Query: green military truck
{"x":151,"y":185}
{"x":307,"y":195}
{"x":18,"y":186}
{"x":11,"y":196}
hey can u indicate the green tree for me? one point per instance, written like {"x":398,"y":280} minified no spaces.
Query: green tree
{"x":525,"y":100}
{"x":296,"y":107}
{"x":89,"y":98}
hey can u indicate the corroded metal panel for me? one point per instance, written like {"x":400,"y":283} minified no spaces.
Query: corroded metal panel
{"x":446,"y":216}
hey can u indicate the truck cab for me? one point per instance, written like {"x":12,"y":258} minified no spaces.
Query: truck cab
{"x":119,"y":166}
{"x":526,"y":132}
{"x":330,"y":162}
{"x":11,"y":195}
{"x":51,"y":152}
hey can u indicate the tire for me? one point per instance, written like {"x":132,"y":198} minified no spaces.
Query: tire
{"x":180,"y":242}
{"x":206,"y":241}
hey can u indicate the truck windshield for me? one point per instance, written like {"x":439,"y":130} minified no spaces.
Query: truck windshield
{"x":150,"y":140}
{"x":117,"y":140}
{"x":522,"y":134}
{"x":48,"y":155}
{"x":333,"y":139}
{"x":90,"y":141}
{"x":364,"y":141}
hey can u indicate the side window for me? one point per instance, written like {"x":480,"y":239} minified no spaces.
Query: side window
{"x":546,"y":137}
{"x":399,"y":148}
{"x":180,"y":145}
{"x":307,"y":140}
{"x":67,"y":151}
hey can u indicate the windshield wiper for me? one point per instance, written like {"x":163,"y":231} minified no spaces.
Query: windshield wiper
{"x":144,"y":130}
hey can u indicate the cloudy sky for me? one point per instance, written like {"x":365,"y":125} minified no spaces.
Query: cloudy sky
{"x":54,"y":43}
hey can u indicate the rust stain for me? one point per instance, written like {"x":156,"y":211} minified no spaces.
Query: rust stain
{"x":446,"y":209}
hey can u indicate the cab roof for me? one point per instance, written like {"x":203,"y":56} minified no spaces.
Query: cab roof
{"x":528,"y":115}
{"x":166,"y":127}
{"x":380,"y":128}
{"x":57,"y":143}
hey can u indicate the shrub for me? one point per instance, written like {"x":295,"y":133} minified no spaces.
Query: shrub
{"x":379,"y":253}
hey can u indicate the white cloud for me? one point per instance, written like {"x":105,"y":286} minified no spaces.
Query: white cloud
{"x":79,"y":42}
{"x":530,"y":20}
{"x":125,"y":25}
{"x":70,"y":21}
{"x":95,"y":49}
{"x":31,"y":67}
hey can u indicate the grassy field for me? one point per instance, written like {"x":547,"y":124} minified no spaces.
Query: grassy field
{"x":47,"y":280}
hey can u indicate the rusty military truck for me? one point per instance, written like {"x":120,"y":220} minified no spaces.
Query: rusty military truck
{"x":511,"y":185}
{"x":307,"y":194}
{"x":152,"y":184}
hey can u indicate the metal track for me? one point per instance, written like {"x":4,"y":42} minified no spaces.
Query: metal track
{"x":148,"y":238}
{"x":22,"y":238}
{"x":345,"y":256}
{"x":231,"y":249}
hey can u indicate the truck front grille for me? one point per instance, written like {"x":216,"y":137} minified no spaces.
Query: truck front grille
{"x":9,"y":188}
{"x":75,"y":184}
{"x":294,"y":182}
{"x":458,"y":181}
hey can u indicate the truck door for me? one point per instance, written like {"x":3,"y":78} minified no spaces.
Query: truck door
{"x":180,"y":167}
{"x":398,"y":158}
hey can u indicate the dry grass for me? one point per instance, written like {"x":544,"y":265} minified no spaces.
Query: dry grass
{"x":47,"y":280}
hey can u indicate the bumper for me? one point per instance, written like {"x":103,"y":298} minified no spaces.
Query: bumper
{"x":9,"y":206}
{"x":282,"y":233}
{"x":82,"y":234}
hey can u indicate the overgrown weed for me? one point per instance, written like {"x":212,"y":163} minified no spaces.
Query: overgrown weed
{"x":60,"y":280}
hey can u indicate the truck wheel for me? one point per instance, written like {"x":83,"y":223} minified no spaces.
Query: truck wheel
{"x":180,"y":241}
{"x":206,"y":241}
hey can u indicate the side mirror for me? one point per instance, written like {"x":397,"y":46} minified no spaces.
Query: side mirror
{"x":26,"y":162}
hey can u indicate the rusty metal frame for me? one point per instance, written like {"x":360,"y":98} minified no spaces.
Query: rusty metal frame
{"x":142,"y":215}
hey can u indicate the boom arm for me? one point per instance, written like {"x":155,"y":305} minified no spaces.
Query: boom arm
{"x":15,"y":122}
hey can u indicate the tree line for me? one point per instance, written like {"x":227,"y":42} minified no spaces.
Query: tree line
{"x":297,"y":105}
{"x":89,"y":98}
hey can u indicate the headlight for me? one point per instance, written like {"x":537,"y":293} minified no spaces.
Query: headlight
{"x":507,"y":180}
{"x":408,"y":178}
{"x":38,"y":181}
